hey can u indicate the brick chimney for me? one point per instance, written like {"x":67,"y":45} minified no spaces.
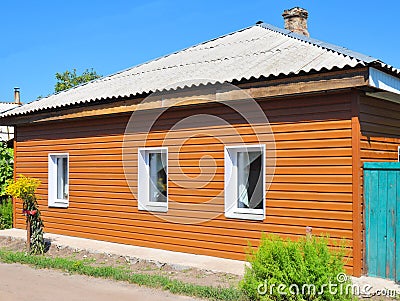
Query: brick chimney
{"x":17,"y":96}
{"x":296,"y":20}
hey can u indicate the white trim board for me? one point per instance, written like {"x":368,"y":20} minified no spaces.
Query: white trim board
{"x":381,"y":80}
{"x":389,"y":96}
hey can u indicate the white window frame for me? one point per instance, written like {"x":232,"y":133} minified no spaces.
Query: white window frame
{"x":53,"y":201}
{"x":398,"y":153}
{"x":230,"y":183}
{"x":144,"y":180}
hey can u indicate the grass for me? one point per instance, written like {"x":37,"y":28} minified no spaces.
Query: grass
{"x":83,"y":267}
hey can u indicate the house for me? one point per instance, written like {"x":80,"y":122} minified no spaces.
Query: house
{"x":7,"y":132}
{"x":200,"y":151}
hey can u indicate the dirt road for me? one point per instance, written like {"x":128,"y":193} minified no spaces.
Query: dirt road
{"x":23,"y":283}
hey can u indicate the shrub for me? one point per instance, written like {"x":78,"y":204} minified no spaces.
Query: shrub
{"x":294,"y":265}
{"x":6,"y":168}
{"x":24,"y":189}
{"x":6,"y":212}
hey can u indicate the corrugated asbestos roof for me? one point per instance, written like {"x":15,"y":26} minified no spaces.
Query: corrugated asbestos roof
{"x":258,"y":51}
{"x":6,"y":106}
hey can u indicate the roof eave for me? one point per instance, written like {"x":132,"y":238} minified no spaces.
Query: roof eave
{"x":264,"y":88}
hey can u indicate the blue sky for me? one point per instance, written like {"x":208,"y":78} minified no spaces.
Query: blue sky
{"x":40,"y":38}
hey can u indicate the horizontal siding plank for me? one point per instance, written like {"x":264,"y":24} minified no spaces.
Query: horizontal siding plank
{"x":284,"y":149}
{"x":298,"y":129}
{"x":207,"y":160}
{"x":380,"y":120}
{"x":76,"y":166}
{"x":119,"y":172}
{"x":272,"y":223}
{"x":130,"y":205}
{"x":180,"y":188}
{"x":379,"y":155}
{"x":119,"y":180}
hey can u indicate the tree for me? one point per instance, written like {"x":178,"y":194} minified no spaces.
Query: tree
{"x":70,"y":79}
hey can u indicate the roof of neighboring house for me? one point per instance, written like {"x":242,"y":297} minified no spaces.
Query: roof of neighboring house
{"x":6,"y":132}
{"x":255,"y":52}
{"x":6,"y":106}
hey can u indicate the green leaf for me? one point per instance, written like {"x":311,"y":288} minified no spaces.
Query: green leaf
{"x":70,"y":79}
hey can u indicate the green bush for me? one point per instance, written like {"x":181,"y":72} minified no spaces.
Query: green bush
{"x":6,"y":168}
{"x":6,"y":211}
{"x":303,"y":269}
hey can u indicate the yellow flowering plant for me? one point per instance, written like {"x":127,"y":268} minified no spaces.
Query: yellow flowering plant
{"x":24,"y":188}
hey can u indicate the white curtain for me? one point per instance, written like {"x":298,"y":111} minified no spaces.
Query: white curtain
{"x":244,"y":159}
{"x":62,"y":178}
{"x":157,"y":177}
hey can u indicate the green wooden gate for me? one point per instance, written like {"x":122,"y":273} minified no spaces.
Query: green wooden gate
{"x":382,"y":219}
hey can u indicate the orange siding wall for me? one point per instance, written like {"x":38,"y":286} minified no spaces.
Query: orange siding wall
{"x":380,"y":128}
{"x":312,"y":185}
{"x":380,"y":131}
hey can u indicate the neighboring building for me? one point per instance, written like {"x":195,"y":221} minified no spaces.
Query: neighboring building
{"x":7,"y":132}
{"x":329,"y":110}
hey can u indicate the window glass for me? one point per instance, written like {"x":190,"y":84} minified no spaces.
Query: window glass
{"x":58,"y":180}
{"x":157,"y":177}
{"x":153,"y":179}
{"x":249,"y":175}
{"x":62,"y":178}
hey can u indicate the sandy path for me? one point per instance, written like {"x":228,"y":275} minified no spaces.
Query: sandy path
{"x":23,"y":283}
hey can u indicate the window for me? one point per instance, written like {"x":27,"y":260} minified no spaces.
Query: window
{"x":58,"y":180}
{"x":245,"y":182}
{"x":153,"y":179}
